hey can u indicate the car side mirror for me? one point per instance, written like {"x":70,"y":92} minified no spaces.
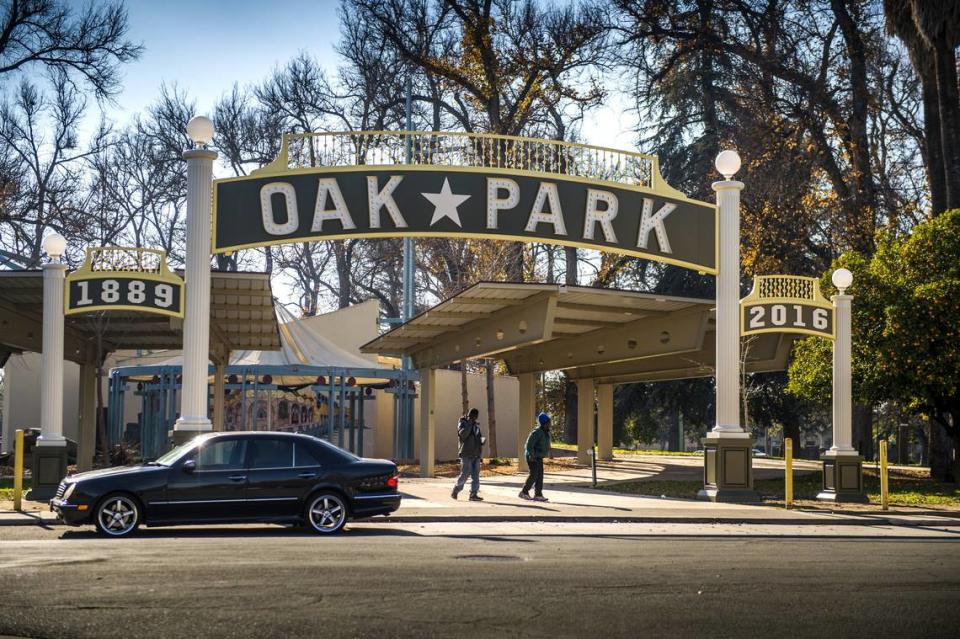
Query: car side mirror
{"x":189,"y":466}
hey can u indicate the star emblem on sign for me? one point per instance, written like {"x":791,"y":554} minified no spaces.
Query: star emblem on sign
{"x":445,"y":203}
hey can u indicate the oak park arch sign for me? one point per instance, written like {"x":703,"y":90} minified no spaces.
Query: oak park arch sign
{"x":380,"y":184}
{"x":377,"y":184}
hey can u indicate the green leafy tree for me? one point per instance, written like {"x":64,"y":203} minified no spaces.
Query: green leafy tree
{"x":905,"y":331}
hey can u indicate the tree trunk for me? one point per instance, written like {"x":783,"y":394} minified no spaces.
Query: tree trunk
{"x":464,"y":395}
{"x":570,"y":256}
{"x":792,"y":430}
{"x":491,"y":412}
{"x":949,"y":105}
{"x":933,"y":141}
{"x":941,"y":445}
{"x":863,"y":429}
{"x":101,"y":422}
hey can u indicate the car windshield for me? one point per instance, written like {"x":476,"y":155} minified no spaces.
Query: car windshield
{"x":174,"y":454}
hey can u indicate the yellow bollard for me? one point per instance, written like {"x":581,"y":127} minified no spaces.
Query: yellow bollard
{"x":884,"y":479}
{"x":788,"y":471}
{"x":18,"y":471}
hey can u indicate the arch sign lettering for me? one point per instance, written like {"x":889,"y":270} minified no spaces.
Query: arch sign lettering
{"x":124,"y":279}
{"x":786,"y":304}
{"x":326,"y":186}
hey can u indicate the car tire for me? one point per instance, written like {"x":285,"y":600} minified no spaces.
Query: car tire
{"x":117,"y":515}
{"x":326,"y":513}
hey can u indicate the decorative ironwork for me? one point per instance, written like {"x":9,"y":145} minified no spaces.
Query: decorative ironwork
{"x":458,"y":149}
{"x":123,"y":259}
{"x":787,"y":287}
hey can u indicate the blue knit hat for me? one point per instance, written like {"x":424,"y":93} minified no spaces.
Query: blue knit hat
{"x":543,"y":418}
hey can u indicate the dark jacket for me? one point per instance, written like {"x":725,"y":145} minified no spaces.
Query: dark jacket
{"x":469,"y":434}
{"x":538,"y":444}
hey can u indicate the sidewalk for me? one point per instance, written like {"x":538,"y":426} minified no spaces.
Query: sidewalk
{"x":573,"y":500}
{"x":428,"y":500}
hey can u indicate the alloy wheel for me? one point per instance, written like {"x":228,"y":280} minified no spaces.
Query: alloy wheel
{"x":327,"y":513}
{"x":117,"y":516}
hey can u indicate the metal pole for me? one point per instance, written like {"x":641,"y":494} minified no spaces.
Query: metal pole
{"x":18,"y":471}
{"x":788,"y":471}
{"x":884,"y":478}
{"x":360,"y":426}
{"x":405,"y":423}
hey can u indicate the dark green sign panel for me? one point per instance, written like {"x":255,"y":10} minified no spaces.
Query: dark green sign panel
{"x":363,"y":202}
{"x":795,"y":317}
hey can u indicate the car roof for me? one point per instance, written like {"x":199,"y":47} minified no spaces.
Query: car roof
{"x":251,"y":433}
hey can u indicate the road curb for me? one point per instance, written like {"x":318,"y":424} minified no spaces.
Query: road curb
{"x":846,"y":521}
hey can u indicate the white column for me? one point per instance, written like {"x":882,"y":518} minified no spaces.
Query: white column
{"x":842,"y":385}
{"x":51,"y":361}
{"x":196,"y":323}
{"x":605,"y":422}
{"x":428,"y":422}
{"x":585,"y":408}
{"x":525,"y":416}
{"x":728,"y":309}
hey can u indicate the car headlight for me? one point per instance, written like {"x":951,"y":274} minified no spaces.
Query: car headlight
{"x":69,"y":491}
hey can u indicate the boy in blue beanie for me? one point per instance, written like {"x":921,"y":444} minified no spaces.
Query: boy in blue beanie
{"x":538,"y":447}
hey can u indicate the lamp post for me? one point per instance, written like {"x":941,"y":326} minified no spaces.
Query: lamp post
{"x":842,"y":464}
{"x":728,"y":463}
{"x":196,"y":324}
{"x":50,"y":453}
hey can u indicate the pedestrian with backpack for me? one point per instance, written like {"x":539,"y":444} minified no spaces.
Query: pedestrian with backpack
{"x":470,"y":451}
{"x":536,"y":449}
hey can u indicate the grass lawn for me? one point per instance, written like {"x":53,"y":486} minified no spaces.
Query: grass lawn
{"x":907,"y":488}
{"x":630,"y":451}
{"x":6,"y":487}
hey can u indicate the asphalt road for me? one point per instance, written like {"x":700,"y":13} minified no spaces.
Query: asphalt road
{"x":456,"y":580}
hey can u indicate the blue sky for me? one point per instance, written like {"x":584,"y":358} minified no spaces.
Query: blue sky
{"x":204,"y":46}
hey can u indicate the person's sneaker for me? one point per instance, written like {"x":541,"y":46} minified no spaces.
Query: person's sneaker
{"x":454,"y":493}
{"x":540,"y":498}
{"x":476,"y":498}
{"x":524,"y":495}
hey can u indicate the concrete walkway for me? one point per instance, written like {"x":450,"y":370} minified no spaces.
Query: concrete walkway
{"x":573,"y":500}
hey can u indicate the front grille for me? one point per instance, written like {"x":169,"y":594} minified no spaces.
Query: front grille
{"x":61,"y":489}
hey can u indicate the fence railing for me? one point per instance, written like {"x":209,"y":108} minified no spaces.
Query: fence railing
{"x":474,"y":150}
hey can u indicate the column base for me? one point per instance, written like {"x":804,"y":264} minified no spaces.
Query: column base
{"x":178,"y":437}
{"x":842,"y":478}
{"x":49,"y":467}
{"x":728,"y":468}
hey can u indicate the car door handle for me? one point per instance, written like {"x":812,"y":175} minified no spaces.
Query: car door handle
{"x":237,"y":477}
{"x":307,"y":475}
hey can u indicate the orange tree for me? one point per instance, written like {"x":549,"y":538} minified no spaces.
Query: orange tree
{"x":906,"y":325}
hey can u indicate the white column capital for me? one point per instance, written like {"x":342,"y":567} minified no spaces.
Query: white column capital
{"x":200,"y":154}
{"x":727,"y":185}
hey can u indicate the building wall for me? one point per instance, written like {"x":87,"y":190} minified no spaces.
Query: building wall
{"x":449,"y":408}
{"x":21,"y":407}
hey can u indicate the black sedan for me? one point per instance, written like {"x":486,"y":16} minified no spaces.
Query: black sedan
{"x":233,"y":478}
